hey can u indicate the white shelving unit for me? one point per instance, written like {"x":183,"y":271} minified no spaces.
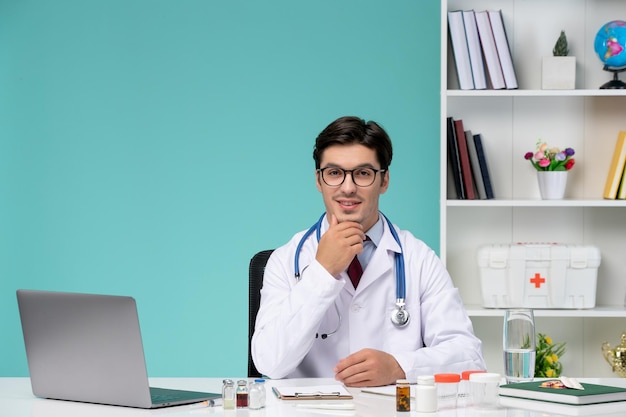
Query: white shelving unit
{"x":587,"y":119}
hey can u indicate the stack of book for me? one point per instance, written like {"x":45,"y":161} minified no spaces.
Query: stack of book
{"x":481,"y":50}
{"x":468,"y":163}
{"x":615,"y":186}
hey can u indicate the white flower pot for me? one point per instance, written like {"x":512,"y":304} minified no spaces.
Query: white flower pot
{"x":552,"y":184}
{"x":558,"y":73}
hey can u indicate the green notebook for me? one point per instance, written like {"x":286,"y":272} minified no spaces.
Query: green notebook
{"x":592,"y":394}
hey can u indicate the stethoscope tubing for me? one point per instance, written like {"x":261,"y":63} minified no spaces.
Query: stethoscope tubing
{"x":399,"y":257}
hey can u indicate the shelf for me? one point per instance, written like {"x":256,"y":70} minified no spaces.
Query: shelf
{"x":536,"y":203}
{"x":600,"y":312}
{"x":510,"y":122}
{"x":536,"y":93}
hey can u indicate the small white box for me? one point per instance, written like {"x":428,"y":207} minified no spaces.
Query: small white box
{"x":537,"y":275}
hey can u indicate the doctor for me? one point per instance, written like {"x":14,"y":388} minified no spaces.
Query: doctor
{"x":315,"y":321}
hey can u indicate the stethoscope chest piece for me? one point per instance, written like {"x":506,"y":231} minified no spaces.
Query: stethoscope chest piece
{"x":399,"y":316}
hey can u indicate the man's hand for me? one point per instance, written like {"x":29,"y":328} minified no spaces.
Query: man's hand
{"x":339,"y":245}
{"x":368,"y":368}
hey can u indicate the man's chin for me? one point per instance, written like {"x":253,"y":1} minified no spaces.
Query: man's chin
{"x":348,"y":217}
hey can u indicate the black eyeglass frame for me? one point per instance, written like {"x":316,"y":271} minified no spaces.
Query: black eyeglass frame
{"x":351,"y":171}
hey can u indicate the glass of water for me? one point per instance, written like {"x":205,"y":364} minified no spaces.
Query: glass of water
{"x":518,"y":339}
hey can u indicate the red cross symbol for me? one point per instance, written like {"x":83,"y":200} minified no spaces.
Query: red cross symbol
{"x":537,"y":280}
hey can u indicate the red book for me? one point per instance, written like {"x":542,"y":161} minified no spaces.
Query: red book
{"x":466,"y":168}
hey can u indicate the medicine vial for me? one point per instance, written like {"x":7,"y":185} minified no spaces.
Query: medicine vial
{"x":403,"y":395}
{"x":242,"y":393}
{"x":464,"y":398}
{"x":425,"y":394}
{"x":256,"y":396}
{"x":447,"y":390}
{"x":228,"y":394}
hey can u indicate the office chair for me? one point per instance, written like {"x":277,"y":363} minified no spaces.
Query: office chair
{"x":257,"y":268}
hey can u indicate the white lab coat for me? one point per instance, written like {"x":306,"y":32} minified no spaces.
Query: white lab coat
{"x":438,"y":338}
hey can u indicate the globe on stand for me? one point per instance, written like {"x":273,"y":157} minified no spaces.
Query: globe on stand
{"x":610,"y":45}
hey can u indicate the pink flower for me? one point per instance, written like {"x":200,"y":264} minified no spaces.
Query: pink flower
{"x":544,"y":162}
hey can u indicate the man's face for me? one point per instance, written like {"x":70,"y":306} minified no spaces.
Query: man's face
{"x":349,"y":202}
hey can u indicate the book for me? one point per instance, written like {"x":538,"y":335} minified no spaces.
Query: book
{"x":476,"y":173}
{"x":317,"y":392}
{"x":621,"y":192}
{"x":484,"y":169}
{"x":616,"y":169}
{"x":488,"y":43}
{"x":455,"y":159}
{"x":591,"y":394}
{"x":466,"y":168}
{"x":460,"y":50}
{"x":502,"y":46}
{"x":475,"y":53}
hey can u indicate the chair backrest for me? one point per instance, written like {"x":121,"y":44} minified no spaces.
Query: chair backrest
{"x":256,"y":271}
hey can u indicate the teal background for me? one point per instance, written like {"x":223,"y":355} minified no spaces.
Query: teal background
{"x":151,"y":147}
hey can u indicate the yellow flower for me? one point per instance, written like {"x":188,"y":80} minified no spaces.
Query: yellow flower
{"x":550,"y":373}
{"x":549,"y":360}
{"x":554,"y":357}
{"x":548,"y":340}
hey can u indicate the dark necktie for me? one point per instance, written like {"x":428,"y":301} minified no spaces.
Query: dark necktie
{"x":355,"y":270}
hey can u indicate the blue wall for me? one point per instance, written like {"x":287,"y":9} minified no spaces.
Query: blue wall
{"x":151,"y":147}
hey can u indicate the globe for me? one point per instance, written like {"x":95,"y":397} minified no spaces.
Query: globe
{"x":610,"y":44}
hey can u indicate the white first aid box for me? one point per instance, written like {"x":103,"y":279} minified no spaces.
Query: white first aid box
{"x":538,"y":275}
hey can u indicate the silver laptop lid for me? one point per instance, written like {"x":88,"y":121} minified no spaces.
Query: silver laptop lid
{"x":84,"y":347}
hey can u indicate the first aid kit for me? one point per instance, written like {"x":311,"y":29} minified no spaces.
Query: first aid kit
{"x":538,"y":275}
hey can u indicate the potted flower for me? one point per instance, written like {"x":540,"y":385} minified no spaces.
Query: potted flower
{"x":552,"y":165}
{"x":547,"y":363}
{"x":558,"y":72}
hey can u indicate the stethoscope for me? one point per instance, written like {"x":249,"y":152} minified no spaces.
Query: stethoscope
{"x":399,"y":316}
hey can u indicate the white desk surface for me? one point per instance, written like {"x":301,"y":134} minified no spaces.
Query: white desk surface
{"x":17,"y":400}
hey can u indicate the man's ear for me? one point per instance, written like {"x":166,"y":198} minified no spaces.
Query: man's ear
{"x":385,"y":182}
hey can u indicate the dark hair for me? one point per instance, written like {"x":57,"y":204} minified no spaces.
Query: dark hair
{"x":350,"y":130}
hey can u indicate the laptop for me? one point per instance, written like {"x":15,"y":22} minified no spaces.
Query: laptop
{"x":88,"y":348}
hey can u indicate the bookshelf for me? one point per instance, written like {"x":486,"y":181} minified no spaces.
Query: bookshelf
{"x":587,"y":119}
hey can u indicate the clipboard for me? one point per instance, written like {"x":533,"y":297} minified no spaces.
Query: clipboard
{"x":316,"y":392}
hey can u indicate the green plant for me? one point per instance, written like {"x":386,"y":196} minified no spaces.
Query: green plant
{"x":547,"y":363}
{"x":560,"y":48}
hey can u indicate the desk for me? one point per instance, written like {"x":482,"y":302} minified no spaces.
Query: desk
{"x":16,"y":400}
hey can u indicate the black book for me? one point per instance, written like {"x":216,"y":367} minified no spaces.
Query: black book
{"x":455,"y":160}
{"x":484,"y":170}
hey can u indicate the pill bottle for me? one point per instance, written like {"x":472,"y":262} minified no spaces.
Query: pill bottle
{"x":228,"y":394}
{"x":256,"y":395}
{"x":447,"y":390}
{"x":425,"y":394}
{"x":464,"y":398}
{"x":242,"y":393}
{"x":484,"y":390}
{"x":403,"y":395}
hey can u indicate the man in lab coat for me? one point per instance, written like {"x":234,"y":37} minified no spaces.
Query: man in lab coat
{"x":321,"y":323}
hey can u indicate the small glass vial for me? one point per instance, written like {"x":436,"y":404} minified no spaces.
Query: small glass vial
{"x":256,"y":395}
{"x":228,"y":394}
{"x":447,"y":390}
{"x":426,"y":394}
{"x":403,"y":395}
{"x":242,"y":393}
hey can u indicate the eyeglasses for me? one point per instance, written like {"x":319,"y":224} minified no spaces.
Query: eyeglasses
{"x":362,"y":177}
